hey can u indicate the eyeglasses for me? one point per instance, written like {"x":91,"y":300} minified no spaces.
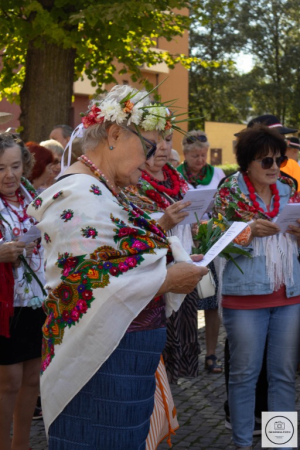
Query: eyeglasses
{"x":267,"y":162}
{"x":192,"y":139}
{"x":149,"y":151}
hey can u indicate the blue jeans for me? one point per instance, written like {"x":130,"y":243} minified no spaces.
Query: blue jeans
{"x":247,"y":332}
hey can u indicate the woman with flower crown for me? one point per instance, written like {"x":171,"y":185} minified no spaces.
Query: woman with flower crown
{"x":106,"y":274}
{"x":159,"y":192}
{"x":262,"y":304}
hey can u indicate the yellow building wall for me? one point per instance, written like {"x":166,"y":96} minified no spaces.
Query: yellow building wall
{"x":221,"y":135}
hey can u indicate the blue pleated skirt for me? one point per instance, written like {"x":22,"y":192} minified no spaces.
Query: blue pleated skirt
{"x":112,"y":411}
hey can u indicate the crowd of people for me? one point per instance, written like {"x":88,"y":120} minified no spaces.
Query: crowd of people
{"x":99,"y":290}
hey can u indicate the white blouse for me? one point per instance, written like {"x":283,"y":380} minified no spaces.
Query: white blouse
{"x":25,"y":286}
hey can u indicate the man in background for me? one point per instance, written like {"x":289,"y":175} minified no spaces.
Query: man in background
{"x":62,"y":134}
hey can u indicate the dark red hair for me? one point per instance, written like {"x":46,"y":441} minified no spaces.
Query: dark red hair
{"x":42,"y":157}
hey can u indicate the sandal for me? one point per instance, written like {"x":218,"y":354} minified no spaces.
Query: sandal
{"x":212,"y":365}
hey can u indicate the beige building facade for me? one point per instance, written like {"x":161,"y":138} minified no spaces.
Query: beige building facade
{"x":222,"y":141}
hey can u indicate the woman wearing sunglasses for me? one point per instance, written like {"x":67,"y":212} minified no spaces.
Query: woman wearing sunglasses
{"x":262,"y":304}
{"x":106,"y":262}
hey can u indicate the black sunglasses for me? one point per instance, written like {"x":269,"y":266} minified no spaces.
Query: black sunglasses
{"x":267,"y":162}
{"x":149,"y":152}
{"x":192,"y":139}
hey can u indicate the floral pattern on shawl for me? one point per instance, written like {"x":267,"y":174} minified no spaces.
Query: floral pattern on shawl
{"x":70,"y":300}
{"x":230,"y":197}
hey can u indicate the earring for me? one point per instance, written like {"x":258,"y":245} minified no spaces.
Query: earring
{"x":111,"y":147}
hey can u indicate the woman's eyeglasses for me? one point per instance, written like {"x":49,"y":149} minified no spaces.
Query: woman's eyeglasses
{"x":267,"y":162}
{"x":149,"y":151}
{"x":193,"y":139}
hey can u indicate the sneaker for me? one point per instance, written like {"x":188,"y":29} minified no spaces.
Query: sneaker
{"x":228,"y":423}
{"x":38,"y":413}
{"x":256,"y":431}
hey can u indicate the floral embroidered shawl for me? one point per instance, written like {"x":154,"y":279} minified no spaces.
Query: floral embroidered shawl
{"x":278,"y":249}
{"x":105,"y":261}
{"x":230,"y":196}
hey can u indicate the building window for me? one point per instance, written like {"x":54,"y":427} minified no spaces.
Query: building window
{"x":215,"y":156}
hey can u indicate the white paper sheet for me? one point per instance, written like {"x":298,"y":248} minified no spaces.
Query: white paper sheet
{"x":31,"y":235}
{"x":200,"y":201}
{"x":235,"y":229}
{"x":288,"y":216}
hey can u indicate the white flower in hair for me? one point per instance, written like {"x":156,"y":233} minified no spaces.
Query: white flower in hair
{"x":136,"y":114}
{"x":112,"y":112}
{"x":155,"y":119}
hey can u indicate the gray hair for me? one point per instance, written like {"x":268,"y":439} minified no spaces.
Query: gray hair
{"x":188,"y":143}
{"x":95,"y":134}
{"x":53,"y":145}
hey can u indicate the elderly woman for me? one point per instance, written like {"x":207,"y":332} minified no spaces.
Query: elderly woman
{"x":201,"y":175}
{"x":106,"y":261}
{"x":164,"y":188}
{"x":195,"y":169}
{"x":21,"y":317}
{"x":263,"y":304}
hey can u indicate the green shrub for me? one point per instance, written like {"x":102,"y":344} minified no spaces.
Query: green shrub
{"x":228,"y":169}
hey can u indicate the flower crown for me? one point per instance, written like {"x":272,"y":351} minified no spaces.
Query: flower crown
{"x":149,"y":117}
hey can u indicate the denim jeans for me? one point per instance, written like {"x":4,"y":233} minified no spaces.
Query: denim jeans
{"x":247,"y":332}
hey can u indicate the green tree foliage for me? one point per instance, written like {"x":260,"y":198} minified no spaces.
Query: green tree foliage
{"x":214,"y":38}
{"x":267,"y":29}
{"x":44,"y":41}
{"x":271,"y":30}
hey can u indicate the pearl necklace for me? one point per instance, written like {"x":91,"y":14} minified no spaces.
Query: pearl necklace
{"x":252,"y":197}
{"x":88,"y":163}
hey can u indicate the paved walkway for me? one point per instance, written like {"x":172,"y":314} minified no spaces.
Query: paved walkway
{"x":199,"y":404}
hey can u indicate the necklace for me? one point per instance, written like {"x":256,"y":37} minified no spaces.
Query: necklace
{"x":88,"y":163}
{"x":252,"y":197}
{"x":169,"y":174}
{"x":21,"y":218}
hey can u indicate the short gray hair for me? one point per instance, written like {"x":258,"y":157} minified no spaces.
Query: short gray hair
{"x":188,"y":143}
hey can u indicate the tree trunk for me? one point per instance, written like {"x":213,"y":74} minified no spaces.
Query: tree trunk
{"x":46,"y":95}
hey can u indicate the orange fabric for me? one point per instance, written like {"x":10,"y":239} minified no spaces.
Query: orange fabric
{"x":163,"y":421}
{"x":292,"y":168}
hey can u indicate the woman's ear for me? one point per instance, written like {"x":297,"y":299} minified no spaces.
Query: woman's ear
{"x":113,"y":134}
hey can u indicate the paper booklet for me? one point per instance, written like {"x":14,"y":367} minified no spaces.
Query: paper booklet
{"x":235,"y":229}
{"x":288,"y":216}
{"x":32,"y":235}
{"x":201,"y":201}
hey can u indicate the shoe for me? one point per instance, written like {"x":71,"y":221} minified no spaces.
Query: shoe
{"x":228,"y":423}
{"x":38,"y":413}
{"x":214,"y":366}
{"x":256,"y":431}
